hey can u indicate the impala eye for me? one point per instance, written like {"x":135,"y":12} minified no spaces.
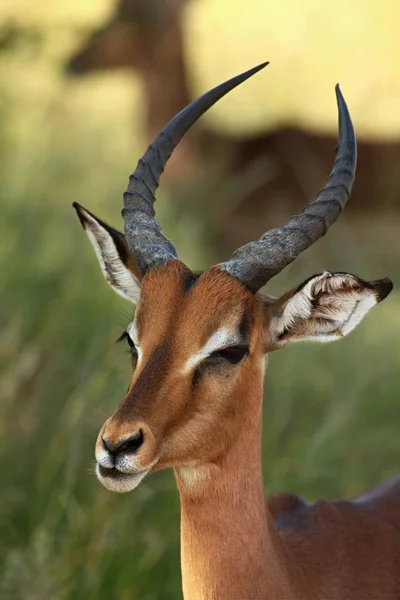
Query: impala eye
{"x":129,"y":340}
{"x":131,"y":344}
{"x":233,"y":354}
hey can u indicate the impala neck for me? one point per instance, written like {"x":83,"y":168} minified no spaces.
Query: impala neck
{"x":229,"y":547}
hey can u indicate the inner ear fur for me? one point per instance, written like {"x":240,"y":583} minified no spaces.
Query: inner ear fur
{"x":323,"y":308}
{"x":117,"y":237}
{"x":116,"y":261}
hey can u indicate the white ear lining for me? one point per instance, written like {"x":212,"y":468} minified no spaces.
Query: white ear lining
{"x":346,"y":310}
{"x":133,"y":332}
{"x":120,"y":278}
{"x":297,"y":307}
{"x":359,"y":312}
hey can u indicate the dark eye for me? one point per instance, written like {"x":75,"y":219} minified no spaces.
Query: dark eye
{"x":233,"y":354}
{"x":129,"y":340}
{"x":131,"y":344}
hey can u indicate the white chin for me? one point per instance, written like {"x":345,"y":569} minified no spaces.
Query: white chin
{"x":121,"y":482}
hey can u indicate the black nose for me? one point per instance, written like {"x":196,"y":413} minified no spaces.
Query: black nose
{"x":128,"y":445}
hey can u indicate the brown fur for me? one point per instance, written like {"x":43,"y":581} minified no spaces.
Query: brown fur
{"x":233,"y":544}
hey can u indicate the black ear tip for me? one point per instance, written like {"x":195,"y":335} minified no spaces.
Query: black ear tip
{"x":80,"y":211}
{"x":383,"y":288}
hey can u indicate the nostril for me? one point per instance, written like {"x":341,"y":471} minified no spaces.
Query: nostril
{"x":110,"y":447}
{"x":132,"y":444}
{"x":128,"y":446}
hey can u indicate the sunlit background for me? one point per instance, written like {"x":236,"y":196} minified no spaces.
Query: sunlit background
{"x":84,"y":86}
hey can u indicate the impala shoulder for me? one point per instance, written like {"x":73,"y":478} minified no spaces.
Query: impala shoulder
{"x":292,"y":513}
{"x":286,"y":509}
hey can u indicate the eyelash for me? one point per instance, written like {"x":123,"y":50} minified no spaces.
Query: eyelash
{"x":232,"y":354}
{"x":131,"y":344}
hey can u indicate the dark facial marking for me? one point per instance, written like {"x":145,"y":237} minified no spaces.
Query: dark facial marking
{"x":117,"y":236}
{"x":244,"y":328}
{"x":189,"y":279}
{"x":149,"y":381}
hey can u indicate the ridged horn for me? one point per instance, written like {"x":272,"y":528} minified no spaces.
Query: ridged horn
{"x":257,"y":262}
{"x":143,"y":233}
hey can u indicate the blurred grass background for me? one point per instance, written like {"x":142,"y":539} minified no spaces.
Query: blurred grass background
{"x":331,"y":413}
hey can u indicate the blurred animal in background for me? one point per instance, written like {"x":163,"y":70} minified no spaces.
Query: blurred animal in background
{"x":198,"y":344}
{"x":146,"y":37}
{"x":277,"y":158}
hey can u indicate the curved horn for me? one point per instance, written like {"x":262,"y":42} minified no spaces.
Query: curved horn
{"x":257,"y":262}
{"x":143,"y":234}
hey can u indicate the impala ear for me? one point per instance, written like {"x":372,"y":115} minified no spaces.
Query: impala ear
{"x":324,"y":308}
{"x":116,"y":261}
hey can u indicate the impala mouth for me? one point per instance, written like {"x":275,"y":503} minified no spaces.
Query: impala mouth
{"x":116,"y":481}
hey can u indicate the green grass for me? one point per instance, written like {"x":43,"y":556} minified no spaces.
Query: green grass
{"x":331,"y":411}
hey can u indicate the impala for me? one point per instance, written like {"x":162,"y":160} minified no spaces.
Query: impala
{"x":198,"y":345}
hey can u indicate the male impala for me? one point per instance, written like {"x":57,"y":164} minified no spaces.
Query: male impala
{"x":198,"y":345}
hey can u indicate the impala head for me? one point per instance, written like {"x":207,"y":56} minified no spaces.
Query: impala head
{"x":198,"y":342}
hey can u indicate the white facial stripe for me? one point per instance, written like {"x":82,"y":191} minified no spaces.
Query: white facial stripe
{"x":133,"y":333}
{"x":220,"y":339}
{"x":126,"y":285}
